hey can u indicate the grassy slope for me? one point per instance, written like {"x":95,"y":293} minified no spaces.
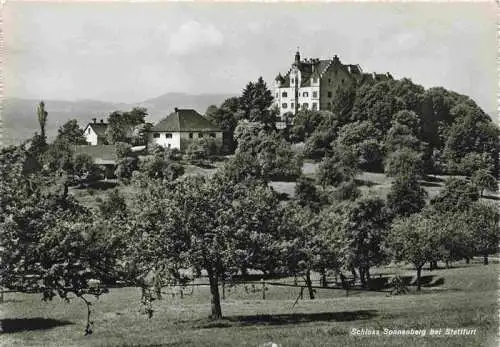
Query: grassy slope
{"x":467,"y":299}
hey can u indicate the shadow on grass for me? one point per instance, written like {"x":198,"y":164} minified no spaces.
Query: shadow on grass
{"x":27,"y":324}
{"x":491,"y":197}
{"x":430,"y":184}
{"x":287,"y":319}
{"x":366,"y":183}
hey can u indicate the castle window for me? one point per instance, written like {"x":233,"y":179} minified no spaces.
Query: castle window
{"x":284,"y":105}
{"x":306,"y":94}
{"x":168,"y":135}
{"x":329,"y":94}
{"x":190,"y":135}
{"x":329,"y":81}
{"x":315,"y":94}
{"x":156,"y":135}
{"x":284,"y":94}
{"x":343,"y":80}
{"x":315,"y":106}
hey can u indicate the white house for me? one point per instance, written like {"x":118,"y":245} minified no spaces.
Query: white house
{"x":95,"y":133}
{"x":182,"y":127}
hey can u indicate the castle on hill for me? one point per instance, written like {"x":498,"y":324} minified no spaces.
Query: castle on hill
{"x":311,"y":84}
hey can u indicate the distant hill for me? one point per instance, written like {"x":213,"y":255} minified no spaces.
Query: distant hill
{"x":19,"y":120}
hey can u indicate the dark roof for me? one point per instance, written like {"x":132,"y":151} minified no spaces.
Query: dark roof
{"x":100,"y":153}
{"x":306,"y":72}
{"x":185,"y":120}
{"x":99,"y":128}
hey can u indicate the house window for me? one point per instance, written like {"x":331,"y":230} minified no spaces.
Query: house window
{"x":315,"y":94}
{"x":305,"y":106}
{"x":329,"y":94}
{"x":343,"y":80}
{"x":315,"y":106}
{"x":89,"y":131}
{"x":156,"y":135}
{"x":306,"y":94}
{"x":168,"y":135}
{"x":284,"y":105}
{"x":200,"y":135}
{"x":315,"y":80}
{"x":190,"y":135}
{"x":329,"y":81}
{"x":284,"y":94}
{"x":277,"y":95}
{"x":169,"y":145}
{"x":292,"y":105}
{"x":212,"y":135}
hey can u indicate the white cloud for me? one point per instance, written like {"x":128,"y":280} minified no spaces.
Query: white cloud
{"x":192,"y":36}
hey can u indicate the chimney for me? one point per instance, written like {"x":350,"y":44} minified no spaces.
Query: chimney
{"x":94,"y":120}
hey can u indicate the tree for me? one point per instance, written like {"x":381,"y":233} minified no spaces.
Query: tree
{"x":272,"y":155}
{"x":457,"y":195}
{"x":71,"y":133}
{"x":206,"y":223}
{"x":85,"y":170}
{"x":471,"y":132}
{"x":42,"y":119}
{"x":202,"y":149}
{"x":59,"y":156}
{"x":363,"y":225}
{"x":404,"y":163}
{"x":341,"y":166}
{"x":414,"y":239}
{"x":310,"y":245}
{"x":307,"y":194}
{"x":482,"y":221}
{"x":113,"y":205}
{"x":160,"y":167}
{"x":405,"y":197}
{"x":47,"y":245}
{"x":320,"y":142}
{"x":484,"y":180}
{"x":256,"y":101}
{"x":121,"y":124}
{"x":363,"y":138}
{"x":305,"y":123}
{"x":226,"y":117}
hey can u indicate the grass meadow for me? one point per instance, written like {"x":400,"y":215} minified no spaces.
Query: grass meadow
{"x":464,"y":296}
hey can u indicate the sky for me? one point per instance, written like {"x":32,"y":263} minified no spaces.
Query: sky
{"x":128,"y":52}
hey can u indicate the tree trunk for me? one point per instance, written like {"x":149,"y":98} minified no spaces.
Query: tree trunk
{"x":485,"y":258}
{"x":467,"y":260}
{"x":367,"y":273}
{"x":323,"y":279}
{"x":433,"y":265}
{"x":362,"y":276}
{"x":354,"y":275}
{"x":419,"y":272}
{"x":214,"y":290}
{"x":309,"y":285}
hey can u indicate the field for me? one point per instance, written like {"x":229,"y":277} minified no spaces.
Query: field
{"x":370,"y":183}
{"x":464,"y":297}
